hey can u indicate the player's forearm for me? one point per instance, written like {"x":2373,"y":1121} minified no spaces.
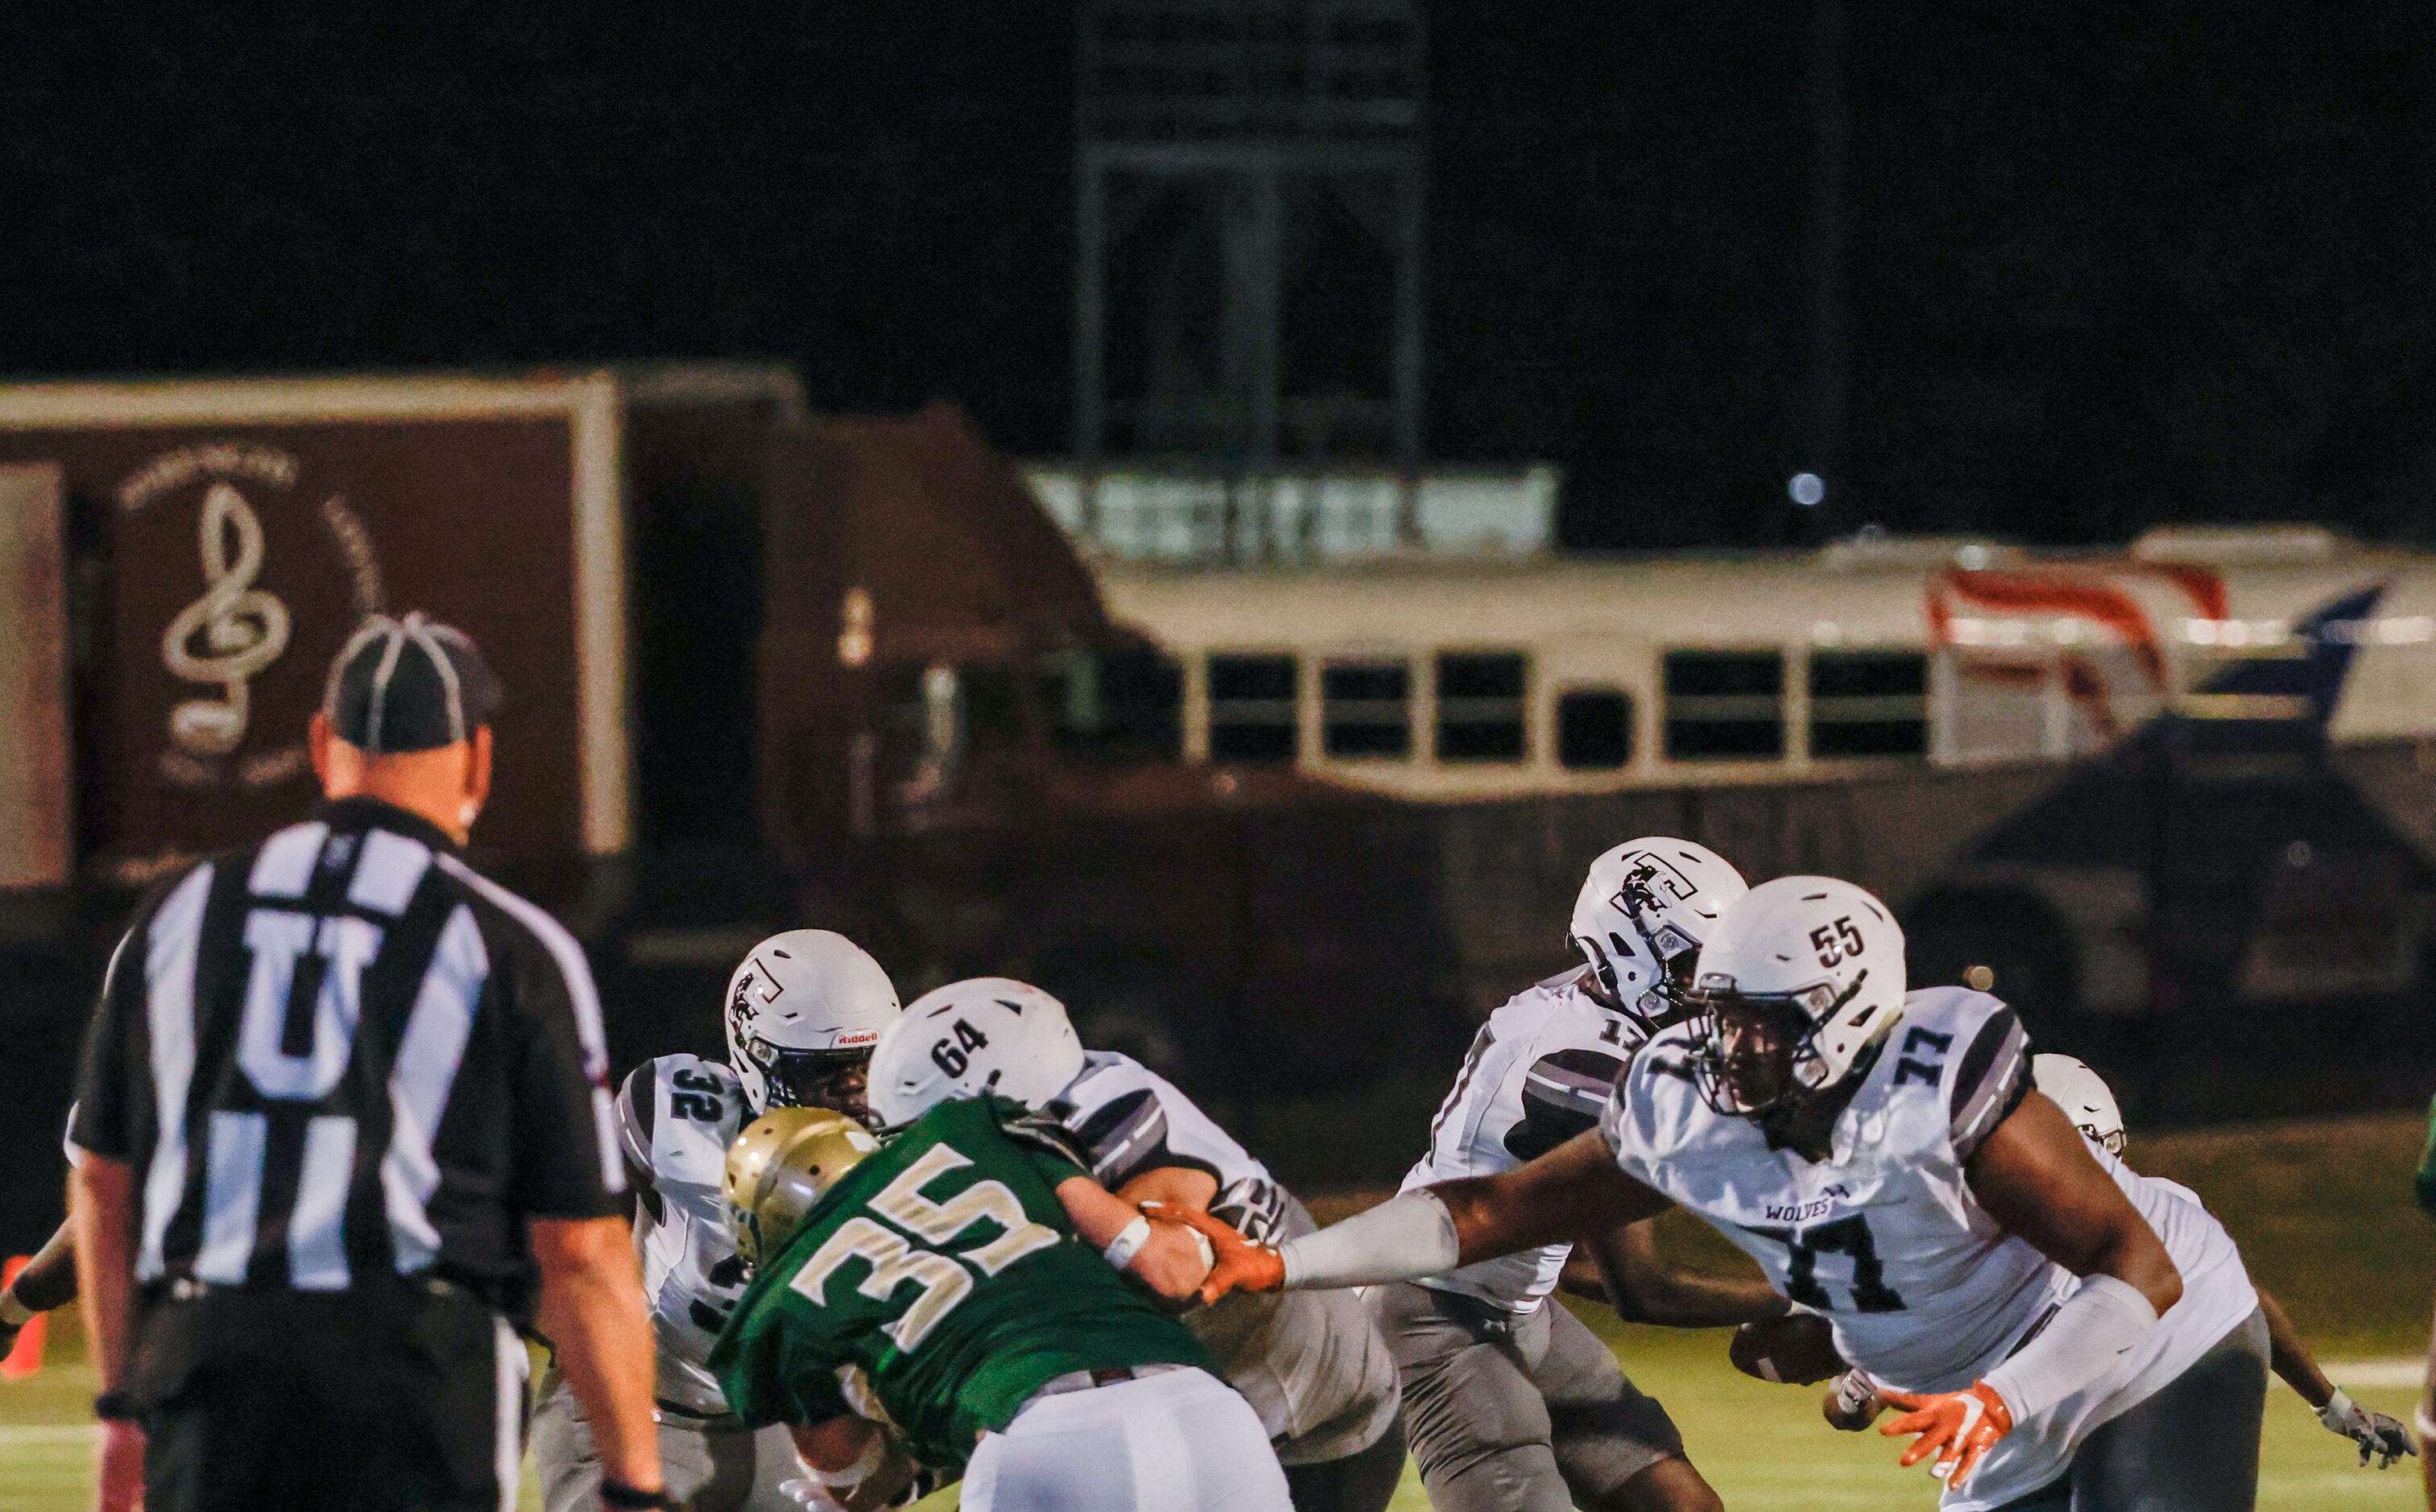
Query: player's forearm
{"x":102,"y":1210}
{"x":2290,"y":1354}
{"x":1644,"y":1288}
{"x":1161,"y":1254}
{"x":592,"y":1310}
{"x":1679,"y":1299}
{"x":48,"y":1281}
{"x":2035,"y":1177}
{"x":1573,"y":1190}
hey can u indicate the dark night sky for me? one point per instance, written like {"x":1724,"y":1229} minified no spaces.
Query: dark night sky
{"x":2107,"y":263}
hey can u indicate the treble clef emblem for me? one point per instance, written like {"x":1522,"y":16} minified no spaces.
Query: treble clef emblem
{"x":243,"y":629}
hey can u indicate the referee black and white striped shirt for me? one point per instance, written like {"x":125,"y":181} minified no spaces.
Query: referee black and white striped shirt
{"x":342,"y":1056}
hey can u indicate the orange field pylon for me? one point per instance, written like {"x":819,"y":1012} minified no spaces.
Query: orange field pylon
{"x":27,"y":1357}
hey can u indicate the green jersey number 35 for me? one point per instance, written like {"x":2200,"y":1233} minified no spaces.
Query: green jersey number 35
{"x":946,"y":1280}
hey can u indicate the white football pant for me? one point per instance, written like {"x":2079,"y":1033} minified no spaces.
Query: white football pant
{"x":1181,"y":1441}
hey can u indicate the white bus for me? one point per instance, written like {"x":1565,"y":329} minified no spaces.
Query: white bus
{"x":1445,"y":680}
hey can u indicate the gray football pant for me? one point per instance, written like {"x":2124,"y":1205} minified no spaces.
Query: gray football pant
{"x":718,"y":1467}
{"x":1515,"y":1414}
{"x":2191,"y":1447}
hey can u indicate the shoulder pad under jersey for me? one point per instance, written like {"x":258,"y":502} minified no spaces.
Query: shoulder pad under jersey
{"x":1115,"y":1115}
{"x":1039,"y":1131}
{"x":1656,"y":1099}
{"x":676,"y":1116}
{"x":1971,"y":1050}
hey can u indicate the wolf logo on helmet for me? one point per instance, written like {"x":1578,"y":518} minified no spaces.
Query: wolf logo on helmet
{"x":1643,"y":910}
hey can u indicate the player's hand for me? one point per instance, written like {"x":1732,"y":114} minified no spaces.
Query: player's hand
{"x":1241,"y":1265}
{"x":1852,"y":1404}
{"x":1955,"y":1426}
{"x":2377,"y":1435}
{"x":809,"y":1494}
{"x":118,"y":1473}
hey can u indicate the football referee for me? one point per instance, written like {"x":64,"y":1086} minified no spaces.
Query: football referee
{"x":342,"y":1099}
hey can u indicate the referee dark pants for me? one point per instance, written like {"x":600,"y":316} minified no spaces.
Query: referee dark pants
{"x":406,"y":1395}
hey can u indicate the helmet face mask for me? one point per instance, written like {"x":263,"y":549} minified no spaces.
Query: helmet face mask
{"x":1797,"y":990}
{"x":832,"y":1079}
{"x":1758,"y":1052}
{"x":805,"y":1010}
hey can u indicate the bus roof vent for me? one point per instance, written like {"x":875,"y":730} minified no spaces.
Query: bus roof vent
{"x":2232,"y":544}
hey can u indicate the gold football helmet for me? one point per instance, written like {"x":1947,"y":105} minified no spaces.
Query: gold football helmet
{"x":780,"y":1166}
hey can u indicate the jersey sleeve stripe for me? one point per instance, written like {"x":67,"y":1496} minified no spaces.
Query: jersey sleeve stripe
{"x":1120,"y":1135}
{"x":1990,"y":1081}
{"x":1042,"y":1132}
{"x":580,"y":993}
{"x":637,"y":1106}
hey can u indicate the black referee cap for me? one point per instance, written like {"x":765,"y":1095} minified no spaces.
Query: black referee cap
{"x":409,"y":685}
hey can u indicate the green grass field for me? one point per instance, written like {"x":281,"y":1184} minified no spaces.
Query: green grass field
{"x":2322,"y":1210}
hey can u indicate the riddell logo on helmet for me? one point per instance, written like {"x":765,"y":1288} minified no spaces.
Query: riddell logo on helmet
{"x":858,"y":1036}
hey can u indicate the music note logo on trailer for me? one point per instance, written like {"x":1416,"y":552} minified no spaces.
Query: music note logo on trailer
{"x":281,"y":577}
{"x":229,"y":635}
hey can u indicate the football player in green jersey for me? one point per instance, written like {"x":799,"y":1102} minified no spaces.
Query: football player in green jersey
{"x":953,"y":1294}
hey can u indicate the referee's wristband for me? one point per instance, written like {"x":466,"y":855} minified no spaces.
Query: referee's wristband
{"x":116,"y":1407}
{"x":624,"y":1498}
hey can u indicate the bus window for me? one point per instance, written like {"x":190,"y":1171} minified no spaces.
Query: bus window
{"x":1252,"y":708}
{"x":1593,"y":729}
{"x":1125,"y":705}
{"x":1480,"y":705}
{"x":1366,"y":710}
{"x":1869,"y":704}
{"x":1725,"y":705}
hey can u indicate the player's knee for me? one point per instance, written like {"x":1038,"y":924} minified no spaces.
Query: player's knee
{"x":1670,"y":1485}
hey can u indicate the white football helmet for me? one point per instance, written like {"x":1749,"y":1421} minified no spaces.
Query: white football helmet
{"x":2084,"y":1096}
{"x":987,"y":1035}
{"x":1803,"y":976}
{"x":1643,"y":912}
{"x":803,"y":1013}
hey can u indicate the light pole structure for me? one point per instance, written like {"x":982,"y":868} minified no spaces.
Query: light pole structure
{"x":1231,"y":157}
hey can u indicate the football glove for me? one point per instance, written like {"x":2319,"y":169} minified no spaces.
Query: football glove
{"x":2376,"y":1435}
{"x":1240,"y":1266}
{"x":1956,"y":1426}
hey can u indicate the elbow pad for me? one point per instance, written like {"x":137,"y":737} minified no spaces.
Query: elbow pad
{"x":2096,"y":1326}
{"x":1408,"y":1236}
